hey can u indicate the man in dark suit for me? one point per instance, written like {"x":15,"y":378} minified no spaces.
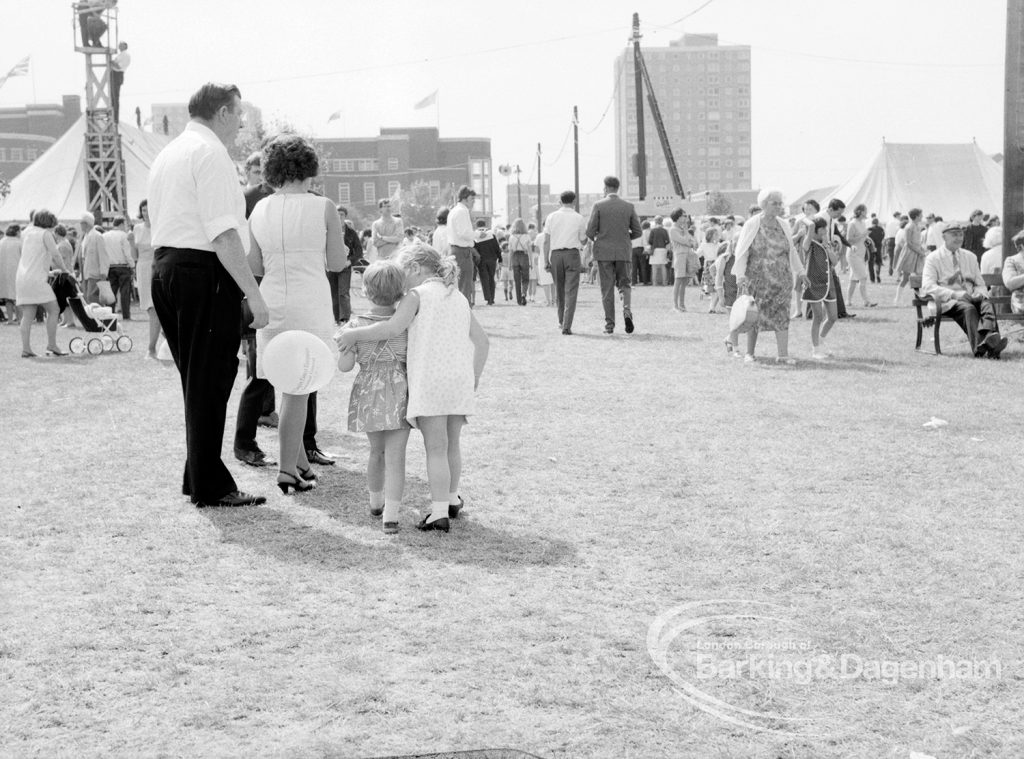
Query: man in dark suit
{"x":613,"y":225}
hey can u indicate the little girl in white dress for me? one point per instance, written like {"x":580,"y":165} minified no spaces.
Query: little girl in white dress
{"x":446,"y":356}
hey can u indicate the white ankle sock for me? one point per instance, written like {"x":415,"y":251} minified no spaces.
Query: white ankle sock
{"x":376,"y":499}
{"x":391,"y":509}
{"x":438,"y":510}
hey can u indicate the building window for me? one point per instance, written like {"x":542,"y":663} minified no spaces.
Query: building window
{"x":369,"y":192}
{"x":3,"y":154}
{"x":17,"y":155}
{"x":344,"y":193}
{"x":392,"y":164}
{"x":393,"y":188}
{"x":368,"y":164}
{"x":335,"y":165}
{"x":346,"y":165}
{"x":32,"y":154}
{"x":435,"y":189}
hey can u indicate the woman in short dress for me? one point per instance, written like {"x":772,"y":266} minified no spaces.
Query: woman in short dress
{"x":856,"y":254}
{"x":32,"y":288}
{"x":295,"y":236}
{"x":911,"y":259}
{"x":142,"y":247}
{"x":765,"y":264}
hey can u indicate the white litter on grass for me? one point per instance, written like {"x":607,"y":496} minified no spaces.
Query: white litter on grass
{"x":935,"y":423}
{"x":977,"y":440}
{"x":552,"y":458}
{"x":919,"y":755}
{"x":961,"y":730}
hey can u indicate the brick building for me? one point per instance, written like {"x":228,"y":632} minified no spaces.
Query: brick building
{"x":359,"y":171}
{"x":27,"y":131}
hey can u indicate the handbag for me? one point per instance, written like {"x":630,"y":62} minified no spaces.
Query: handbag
{"x":105,"y":293}
{"x":744,"y":314}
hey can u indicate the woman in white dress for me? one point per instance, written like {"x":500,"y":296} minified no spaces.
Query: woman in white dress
{"x":31,"y":286}
{"x":296,"y":238}
{"x":10,"y":254}
{"x":856,"y":254}
{"x":141,"y":240}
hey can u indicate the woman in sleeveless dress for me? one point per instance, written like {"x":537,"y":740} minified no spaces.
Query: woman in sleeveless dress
{"x":856,"y":256}
{"x":142,"y":246}
{"x":296,"y":237}
{"x":32,"y":288}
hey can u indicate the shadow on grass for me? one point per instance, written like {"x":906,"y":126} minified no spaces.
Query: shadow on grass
{"x":639,"y":337}
{"x":469,"y":542}
{"x":274,"y":534}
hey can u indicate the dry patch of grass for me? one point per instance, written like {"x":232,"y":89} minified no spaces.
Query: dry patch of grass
{"x":609,"y":480}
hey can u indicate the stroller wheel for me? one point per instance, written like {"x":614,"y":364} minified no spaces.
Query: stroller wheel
{"x":77,"y":346}
{"x":124,"y":343}
{"x":94,"y":346}
{"x":107,"y":342}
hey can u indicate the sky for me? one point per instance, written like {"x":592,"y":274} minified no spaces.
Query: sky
{"x":830,"y":80}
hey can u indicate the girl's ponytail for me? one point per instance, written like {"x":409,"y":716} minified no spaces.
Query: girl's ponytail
{"x":448,"y":271}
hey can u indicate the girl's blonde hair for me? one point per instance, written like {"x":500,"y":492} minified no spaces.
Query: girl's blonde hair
{"x":384,"y":282}
{"x":430,"y":260}
{"x":518,"y":227}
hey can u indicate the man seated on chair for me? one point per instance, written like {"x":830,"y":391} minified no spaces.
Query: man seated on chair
{"x":953,"y":280}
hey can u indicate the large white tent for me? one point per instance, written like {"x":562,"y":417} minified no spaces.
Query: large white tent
{"x":56,"y":180}
{"x":949,"y":180}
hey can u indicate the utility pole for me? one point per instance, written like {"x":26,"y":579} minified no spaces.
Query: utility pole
{"x":1013,"y":127}
{"x":538,"y":189}
{"x":576,"y":155}
{"x":638,"y":89}
{"x":519,"y":192}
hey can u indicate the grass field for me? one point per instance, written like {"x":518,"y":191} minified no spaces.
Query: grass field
{"x":609,"y":481}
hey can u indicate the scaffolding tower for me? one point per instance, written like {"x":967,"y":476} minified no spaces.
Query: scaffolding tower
{"x":96,"y":37}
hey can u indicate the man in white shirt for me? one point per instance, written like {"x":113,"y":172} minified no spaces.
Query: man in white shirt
{"x":118,"y":65}
{"x":461,"y":239}
{"x":566,"y":233}
{"x":122,"y":266}
{"x":952,"y":277}
{"x":889,"y":241}
{"x":933,"y":237}
{"x":200,"y":275}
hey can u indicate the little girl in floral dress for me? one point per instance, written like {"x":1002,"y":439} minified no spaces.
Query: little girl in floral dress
{"x":380,"y":393}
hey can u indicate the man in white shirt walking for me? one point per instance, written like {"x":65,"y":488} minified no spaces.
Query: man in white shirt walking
{"x":461,"y":239}
{"x":122,"y":266}
{"x":566,"y":233}
{"x":200,"y":275}
{"x":952,"y":277}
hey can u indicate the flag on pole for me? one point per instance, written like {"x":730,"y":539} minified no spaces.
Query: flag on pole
{"x":21,"y":69}
{"x":334,"y":117}
{"x":430,"y":99}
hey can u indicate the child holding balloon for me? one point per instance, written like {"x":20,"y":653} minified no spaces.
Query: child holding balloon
{"x":447,"y":352}
{"x":380,"y":392}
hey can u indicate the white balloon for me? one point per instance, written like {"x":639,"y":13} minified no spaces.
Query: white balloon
{"x":298,"y":362}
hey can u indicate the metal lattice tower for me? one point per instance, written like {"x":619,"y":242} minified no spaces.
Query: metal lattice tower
{"x":106,"y":195}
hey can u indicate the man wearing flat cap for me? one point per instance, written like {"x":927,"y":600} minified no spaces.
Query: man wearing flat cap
{"x":953,"y":279}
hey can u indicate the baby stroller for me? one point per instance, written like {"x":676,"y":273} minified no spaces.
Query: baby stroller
{"x":93,"y":317}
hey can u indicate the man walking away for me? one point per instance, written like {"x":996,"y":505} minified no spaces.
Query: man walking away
{"x":613,"y":226}
{"x":566,"y":234}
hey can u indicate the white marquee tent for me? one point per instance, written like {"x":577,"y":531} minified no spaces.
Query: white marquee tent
{"x":56,"y":180}
{"x":949,"y":180}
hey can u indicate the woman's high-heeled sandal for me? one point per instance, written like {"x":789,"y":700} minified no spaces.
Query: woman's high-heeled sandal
{"x":292,"y":483}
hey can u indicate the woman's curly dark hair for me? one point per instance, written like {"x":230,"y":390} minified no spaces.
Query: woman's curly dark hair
{"x":288,"y":157}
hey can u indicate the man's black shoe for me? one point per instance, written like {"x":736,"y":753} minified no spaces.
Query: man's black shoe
{"x":316,"y":456}
{"x":254,"y":458}
{"x":628,"y":318}
{"x":566,"y":331}
{"x":233,"y":499}
{"x":609,"y":330}
{"x":995,"y":343}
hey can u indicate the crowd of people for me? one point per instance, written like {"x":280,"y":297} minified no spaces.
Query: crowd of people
{"x":218,"y":263}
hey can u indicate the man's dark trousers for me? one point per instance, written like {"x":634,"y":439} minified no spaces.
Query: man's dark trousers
{"x":976,"y":318}
{"x":613,"y":273}
{"x":565,"y":270}
{"x":199,"y":307}
{"x":641,"y":267}
{"x":464,"y":258}
{"x":257,"y":400}
{"x":341,"y":295}
{"x":120,"y":279}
